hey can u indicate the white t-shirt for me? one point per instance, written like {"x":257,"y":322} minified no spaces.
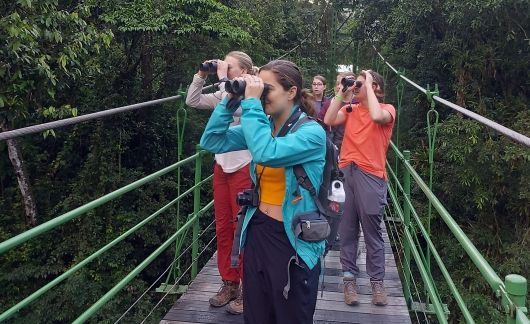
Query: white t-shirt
{"x":232,"y":161}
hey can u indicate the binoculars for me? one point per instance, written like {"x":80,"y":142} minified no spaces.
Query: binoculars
{"x":348,"y":82}
{"x":209,"y":67}
{"x":237,"y":88}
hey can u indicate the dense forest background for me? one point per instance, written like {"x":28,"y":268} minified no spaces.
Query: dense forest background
{"x":64,"y":58}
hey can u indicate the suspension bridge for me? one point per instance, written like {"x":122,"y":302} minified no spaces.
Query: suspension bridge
{"x":411,"y":255}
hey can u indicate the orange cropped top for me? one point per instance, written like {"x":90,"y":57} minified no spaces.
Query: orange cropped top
{"x":272,"y":184}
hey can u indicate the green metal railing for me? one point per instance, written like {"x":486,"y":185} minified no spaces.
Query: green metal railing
{"x":192,"y":223}
{"x":511,"y":292}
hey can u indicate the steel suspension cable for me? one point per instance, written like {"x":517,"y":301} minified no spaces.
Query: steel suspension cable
{"x":163,"y":273}
{"x":401,"y":264}
{"x":515,"y":136}
{"x":308,"y":35}
{"x":400,"y":245}
{"x":177,"y":280}
{"x":88,"y":117}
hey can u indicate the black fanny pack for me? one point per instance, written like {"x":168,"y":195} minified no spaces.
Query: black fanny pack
{"x":311,"y":226}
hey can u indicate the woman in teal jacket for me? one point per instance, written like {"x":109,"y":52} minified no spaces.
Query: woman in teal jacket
{"x":267,"y":236}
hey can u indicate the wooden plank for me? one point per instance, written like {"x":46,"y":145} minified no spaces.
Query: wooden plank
{"x":330,"y":270}
{"x":335,"y":257}
{"x":327,"y":280}
{"x":212,"y":288}
{"x":327,"y":296}
{"x":193,"y":306}
{"x":327,"y":316}
{"x":190,"y":305}
{"x":321,"y":316}
{"x":196,"y":316}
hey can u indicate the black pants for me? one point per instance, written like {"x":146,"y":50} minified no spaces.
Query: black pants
{"x":267,"y":253}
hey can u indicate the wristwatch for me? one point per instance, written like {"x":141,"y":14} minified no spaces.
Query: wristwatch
{"x":224,"y":79}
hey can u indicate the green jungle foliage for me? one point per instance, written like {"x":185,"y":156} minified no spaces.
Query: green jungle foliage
{"x":63,"y":58}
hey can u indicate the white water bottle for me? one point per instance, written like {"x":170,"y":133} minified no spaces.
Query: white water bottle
{"x":337,"y":193}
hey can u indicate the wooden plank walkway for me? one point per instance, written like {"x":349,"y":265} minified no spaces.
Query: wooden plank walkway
{"x":193,"y":306}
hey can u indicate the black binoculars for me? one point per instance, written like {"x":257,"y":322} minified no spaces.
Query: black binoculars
{"x":348,"y":82}
{"x":237,"y":88}
{"x":209,"y":67}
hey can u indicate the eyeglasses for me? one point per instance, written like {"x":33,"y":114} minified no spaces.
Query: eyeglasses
{"x":318,"y":84}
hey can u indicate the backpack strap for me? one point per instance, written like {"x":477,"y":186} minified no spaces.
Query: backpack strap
{"x":290,"y":123}
{"x":303,"y":120}
{"x":301,"y":176}
{"x":303,"y":180}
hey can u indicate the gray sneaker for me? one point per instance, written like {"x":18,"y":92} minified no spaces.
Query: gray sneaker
{"x":378,"y":293}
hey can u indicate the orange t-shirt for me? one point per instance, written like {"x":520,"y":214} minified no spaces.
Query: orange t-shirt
{"x":365,"y":142}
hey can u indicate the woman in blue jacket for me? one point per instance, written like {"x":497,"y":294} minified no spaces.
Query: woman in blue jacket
{"x":281,"y":272}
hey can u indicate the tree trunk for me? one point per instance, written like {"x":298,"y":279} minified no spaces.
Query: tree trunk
{"x":15,"y":156}
{"x":147,"y":66}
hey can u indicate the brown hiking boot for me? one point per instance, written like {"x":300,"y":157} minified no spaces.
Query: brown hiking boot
{"x":227,"y":292}
{"x":350,"y":291}
{"x":235,"y":307}
{"x":378,"y":293}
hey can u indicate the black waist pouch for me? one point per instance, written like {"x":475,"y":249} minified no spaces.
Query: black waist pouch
{"x":311,"y":226}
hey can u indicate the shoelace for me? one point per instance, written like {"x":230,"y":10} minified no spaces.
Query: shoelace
{"x":378,"y":286}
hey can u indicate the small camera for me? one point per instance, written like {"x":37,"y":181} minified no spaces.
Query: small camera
{"x":237,"y":88}
{"x":249,"y":197}
{"x":348,"y":82}
{"x":209,"y":67}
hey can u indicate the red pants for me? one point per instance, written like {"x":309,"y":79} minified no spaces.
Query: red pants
{"x":225,"y":189}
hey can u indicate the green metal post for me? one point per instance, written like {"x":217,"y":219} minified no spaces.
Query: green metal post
{"x":400,"y":87}
{"x":175,"y":267}
{"x":406,"y":221}
{"x":181,"y":126}
{"x":196,"y":208}
{"x":431,"y":133}
{"x":516,"y":287}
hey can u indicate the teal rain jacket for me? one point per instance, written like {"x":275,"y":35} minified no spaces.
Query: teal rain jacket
{"x":306,"y":146}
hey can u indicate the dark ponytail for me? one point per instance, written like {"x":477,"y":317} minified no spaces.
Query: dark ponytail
{"x":307,"y":103}
{"x":289,"y":75}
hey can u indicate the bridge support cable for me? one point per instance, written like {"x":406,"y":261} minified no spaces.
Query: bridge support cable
{"x":511,"y":305}
{"x":178,"y":280}
{"x":448,"y":279}
{"x":182,"y":115}
{"x":88,"y":117}
{"x":131,"y":275}
{"x":166,"y":271}
{"x":513,"y":135}
{"x":402,"y":263}
{"x":59,"y":220}
{"x":308,"y":35}
{"x":26,"y":301}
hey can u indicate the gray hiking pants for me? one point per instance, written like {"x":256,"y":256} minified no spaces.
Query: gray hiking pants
{"x":364,"y":207}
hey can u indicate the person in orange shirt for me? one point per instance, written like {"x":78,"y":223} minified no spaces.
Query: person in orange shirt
{"x":368,"y":129}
